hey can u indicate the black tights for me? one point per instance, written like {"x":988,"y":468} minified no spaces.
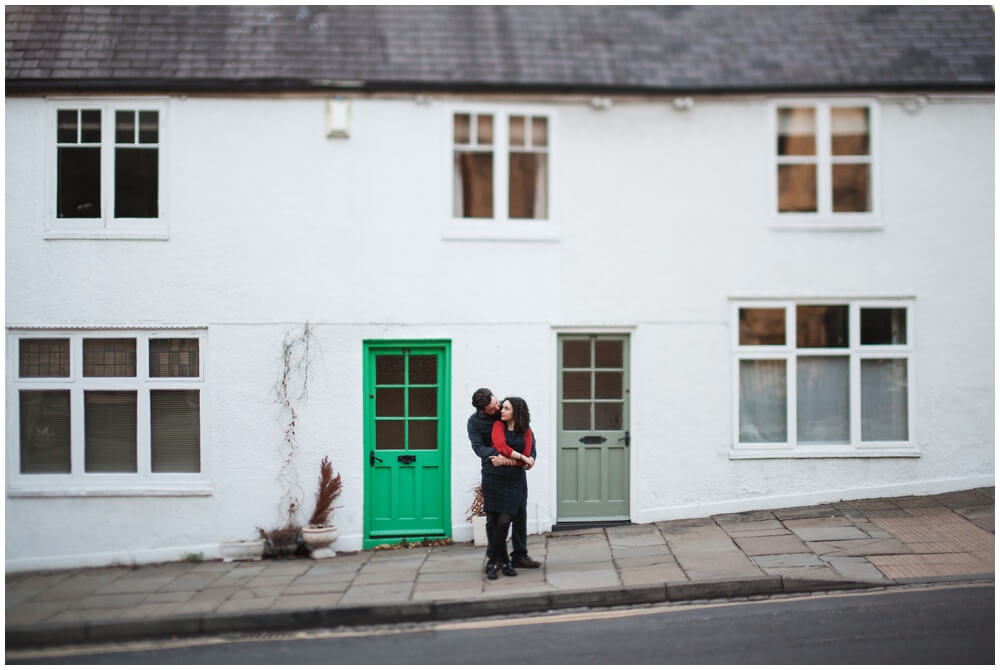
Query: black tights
{"x":498,"y":538}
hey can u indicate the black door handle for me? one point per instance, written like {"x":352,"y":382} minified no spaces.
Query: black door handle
{"x":372,"y":458}
{"x":406,"y":459}
{"x":627,"y":440}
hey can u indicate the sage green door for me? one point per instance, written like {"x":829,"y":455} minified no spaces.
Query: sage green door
{"x":592,"y":482}
{"x":406,"y":460}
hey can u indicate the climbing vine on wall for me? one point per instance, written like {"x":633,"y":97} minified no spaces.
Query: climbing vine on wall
{"x":291,"y":391}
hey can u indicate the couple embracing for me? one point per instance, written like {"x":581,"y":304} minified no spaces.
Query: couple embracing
{"x":501,"y":436}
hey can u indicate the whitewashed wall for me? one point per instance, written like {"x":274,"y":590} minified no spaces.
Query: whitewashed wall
{"x":661,"y":217}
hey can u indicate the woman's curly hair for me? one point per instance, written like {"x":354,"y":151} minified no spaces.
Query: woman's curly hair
{"x":522,"y":417}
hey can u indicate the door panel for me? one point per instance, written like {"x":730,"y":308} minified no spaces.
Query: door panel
{"x":406,"y":442}
{"x":593,"y":422}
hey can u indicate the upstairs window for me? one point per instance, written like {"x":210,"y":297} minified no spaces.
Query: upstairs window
{"x":824,"y":158}
{"x":107,"y":172}
{"x":500,"y":165}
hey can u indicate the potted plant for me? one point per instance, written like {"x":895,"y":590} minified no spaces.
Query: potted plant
{"x":241,"y":550}
{"x":477,"y":516}
{"x":319,"y":533}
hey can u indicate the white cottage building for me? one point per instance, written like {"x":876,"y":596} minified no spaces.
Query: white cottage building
{"x":732,"y":257}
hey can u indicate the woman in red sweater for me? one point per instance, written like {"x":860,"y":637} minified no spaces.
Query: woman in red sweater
{"x":505,"y":487}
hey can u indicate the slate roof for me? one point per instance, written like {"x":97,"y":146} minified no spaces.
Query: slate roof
{"x":558,"y":48}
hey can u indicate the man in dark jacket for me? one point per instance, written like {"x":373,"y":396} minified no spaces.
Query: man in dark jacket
{"x":480,"y":425}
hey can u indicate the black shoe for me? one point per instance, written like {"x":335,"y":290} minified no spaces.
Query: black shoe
{"x":525,"y":561}
{"x":491,"y":570}
{"x":508,"y":569}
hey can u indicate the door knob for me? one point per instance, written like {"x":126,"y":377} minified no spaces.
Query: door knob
{"x":372,"y":458}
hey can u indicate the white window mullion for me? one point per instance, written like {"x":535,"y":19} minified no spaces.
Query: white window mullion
{"x":501,"y":163}
{"x":78,"y":434}
{"x":792,"y":381}
{"x":107,"y":166}
{"x":793,"y":418}
{"x":143,"y":433}
{"x":824,"y":180}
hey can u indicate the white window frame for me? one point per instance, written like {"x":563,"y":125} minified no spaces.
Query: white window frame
{"x":500,"y":227}
{"x":825,"y":219}
{"x":78,"y":482}
{"x":855,"y":351}
{"x":107,"y":226}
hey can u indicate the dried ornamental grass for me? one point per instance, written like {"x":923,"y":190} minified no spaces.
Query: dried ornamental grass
{"x":327,"y":491}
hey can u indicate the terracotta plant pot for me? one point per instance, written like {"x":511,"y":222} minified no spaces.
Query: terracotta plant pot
{"x":319,"y":539}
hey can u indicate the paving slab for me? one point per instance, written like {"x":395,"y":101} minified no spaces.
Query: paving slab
{"x":135,"y":585}
{"x":245,"y":605}
{"x":33,"y":613}
{"x":869,"y":504}
{"x":377,"y":593}
{"x":215,"y":594}
{"x":594,"y":577}
{"x":447,"y":591}
{"x":830,"y":533}
{"x":804,"y":560}
{"x":266,"y":581}
{"x":871,"y":547}
{"x":639,"y":552}
{"x":784,"y":544}
{"x":169,"y":597}
{"x":930,"y":565}
{"x":739,"y":526}
{"x":856,"y":568}
{"x":652,"y":574}
{"x":716,"y":565}
{"x":744,"y":517}
{"x":191,"y":582}
{"x":256,"y":594}
{"x":117,"y":601}
{"x":764,"y":532}
{"x":819,"y":522}
{"x":644,"y":561}
{"x":805,"y":512}
{"x":295,"y":588}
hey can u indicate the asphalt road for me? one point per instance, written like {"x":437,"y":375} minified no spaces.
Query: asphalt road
{"x":939,"y":625}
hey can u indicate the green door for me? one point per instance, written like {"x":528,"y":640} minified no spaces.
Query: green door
{"x":406,"y":458}
{"x":592,"y":482}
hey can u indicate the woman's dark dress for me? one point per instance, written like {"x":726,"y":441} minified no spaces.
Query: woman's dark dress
{"x":505,"y":487}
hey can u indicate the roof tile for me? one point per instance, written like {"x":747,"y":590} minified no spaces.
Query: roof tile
{"x":643,"y":47}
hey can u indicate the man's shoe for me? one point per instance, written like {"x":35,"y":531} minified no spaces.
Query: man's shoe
{"x":509,"y":570}
{"x":491,"y":570}
{"x":525,"y":562}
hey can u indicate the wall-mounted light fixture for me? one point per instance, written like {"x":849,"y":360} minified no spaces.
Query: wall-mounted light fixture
{"x":683,"y":104}
{"x":338,"y":118}
{"x":914,"y":105}
{"x":600,"y":103}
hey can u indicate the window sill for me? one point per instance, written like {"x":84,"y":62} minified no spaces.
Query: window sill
{"x":464,"y":230}
{"x":844,"y":223}
{"x":832,"y":451}
{"x":110,"y":491}
{"x":156,"y":231}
